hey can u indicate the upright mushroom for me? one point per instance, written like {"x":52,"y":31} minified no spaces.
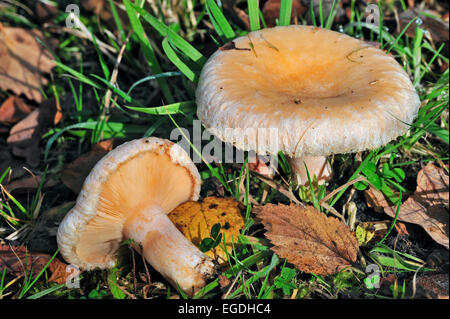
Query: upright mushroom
{"x":323,"y":91}
{"x":128,"y":195}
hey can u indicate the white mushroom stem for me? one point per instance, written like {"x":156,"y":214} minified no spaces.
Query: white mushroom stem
{"x":167,"y":250}
{"x":317,"y":165}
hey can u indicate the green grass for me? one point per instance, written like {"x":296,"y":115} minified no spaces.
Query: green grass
{"x":165,"y":59}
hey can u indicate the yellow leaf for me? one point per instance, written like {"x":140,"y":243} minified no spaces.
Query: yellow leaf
{"x":195,"y":220}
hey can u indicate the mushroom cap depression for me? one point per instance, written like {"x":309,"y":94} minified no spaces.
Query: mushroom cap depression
{"x":133,"y":175}
{"x":325,"y":92}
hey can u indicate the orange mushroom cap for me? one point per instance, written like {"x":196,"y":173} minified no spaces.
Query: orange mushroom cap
{"x":325,"y":92}
{"x":136,"y":174}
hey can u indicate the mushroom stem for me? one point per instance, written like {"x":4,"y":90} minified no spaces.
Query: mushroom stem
{"x":317,"y":165}
{"x":167,"y":250}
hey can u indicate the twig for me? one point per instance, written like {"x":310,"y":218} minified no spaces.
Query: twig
{"x":283,"y":190}
{"x":129,"y":294}
{"x":337,"y":190}
{"x":149,"y":281}
{"x":113,"y":79}
{"x":332,"y":210}
{"x":232,"y":285}
{"x":294,"y":293}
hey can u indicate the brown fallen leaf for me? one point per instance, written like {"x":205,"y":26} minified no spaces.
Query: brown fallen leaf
{"x":13,"y":110}
{"x":25,"y":136}
{"x":310,"y":240}
{"x":428,"y":206}
{"x":271,"y":11}
{"x":23,"y":62}
{"x":195,"y":220}
{"x":74,"y":173}
{"x":438,"y":29}
{"x":376,"y":199}
{"x":19,"y":261}
{"x":433,"y":184}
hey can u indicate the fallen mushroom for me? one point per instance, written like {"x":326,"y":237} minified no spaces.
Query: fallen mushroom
{"x":128,"y":195}
{"x":323,"y":91}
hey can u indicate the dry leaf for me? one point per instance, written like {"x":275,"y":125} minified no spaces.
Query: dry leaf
{"x":18,"y":260}
{"x":432,"y":184}
{"x":25,"y":136}
{"x":376,"y":199}
{"x":428,"y":206}
{"x":74,"y":173}
{"x":23,"y":61}
{"x":13,"y":110}
{"x":195,"y":220}
{"x":439,"y":30}
{"x":310,"y":240}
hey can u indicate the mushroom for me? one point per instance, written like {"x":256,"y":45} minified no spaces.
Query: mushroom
{"x":128,"y":195}
{"x":323,"y":91}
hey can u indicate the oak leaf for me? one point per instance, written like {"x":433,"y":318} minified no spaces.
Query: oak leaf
{"x":308,"y":239}
{"x":195,"y":220}
{"x":23,"y":61}
{"x":428,"y":206}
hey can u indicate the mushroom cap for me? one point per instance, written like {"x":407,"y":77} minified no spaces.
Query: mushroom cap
{"x":321,"y":91}
{"x":130,"y":177}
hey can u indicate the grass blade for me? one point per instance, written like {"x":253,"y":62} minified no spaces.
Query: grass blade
{"x":253,"y":14}
{"x":285,"y":12}
{"x":175,"y":38}
{"x":220,"y":20}
{"x":174,"y":108}
{"x":173,"y":57}
{"x":147,"y":48}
